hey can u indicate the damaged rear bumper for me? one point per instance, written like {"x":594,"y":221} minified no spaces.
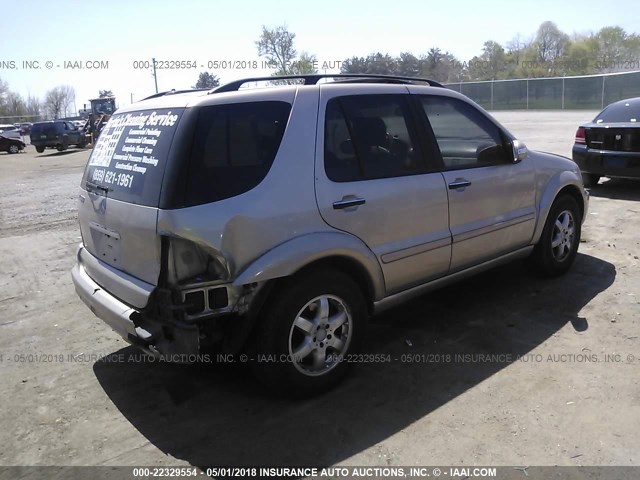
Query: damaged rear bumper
{"x":162,"y":328}
{"x":109,"y":309}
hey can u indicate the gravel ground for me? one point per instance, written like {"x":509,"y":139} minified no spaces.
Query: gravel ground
{"x":560,"y":388}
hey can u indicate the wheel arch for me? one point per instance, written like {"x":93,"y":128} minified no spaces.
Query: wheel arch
{"x":565,"y":183}
{"x":337,"y":250}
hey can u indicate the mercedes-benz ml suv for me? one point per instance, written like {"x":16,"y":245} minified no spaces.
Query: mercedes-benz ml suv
{"x":273,"y":222}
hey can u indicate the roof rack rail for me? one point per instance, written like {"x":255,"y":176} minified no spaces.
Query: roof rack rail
{"x":174,"y":92}
{"x":312,"y":79}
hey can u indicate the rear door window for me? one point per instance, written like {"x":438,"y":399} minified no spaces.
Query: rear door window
{"x":234,"y":147}
{"x":369,"y":137}
{"x":130,"y":157}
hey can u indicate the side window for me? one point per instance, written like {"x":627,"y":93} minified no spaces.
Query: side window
{"x":466,"y":138}
{"x":369,"y":136}
{"x":233,"y":149}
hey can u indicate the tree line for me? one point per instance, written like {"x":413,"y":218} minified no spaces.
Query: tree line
{"x":550,"y":52}
{"x":57,"y":103}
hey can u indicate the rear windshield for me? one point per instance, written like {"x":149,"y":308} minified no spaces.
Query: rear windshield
{"x":130,"y":157}
{"x":45,"y":128}
{"x":623,"y":112}
{"x":234,"y":147}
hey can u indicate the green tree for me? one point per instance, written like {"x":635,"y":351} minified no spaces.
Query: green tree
{"x":614,"y":47}
{"x":304,"y":65}
{"x":441,"y":67}
{"x":550,"y":45}
{"x":374,"y":63}
{"x":408,"y":65}
{"x":277,"y":46}
{"x":207,"y":80}
{"x":491,"y":64}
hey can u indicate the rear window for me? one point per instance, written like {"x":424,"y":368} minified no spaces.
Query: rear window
{"x":45,"y":128}
{"x":622,"y":112}
{"x":234,"y":147}
{"x":130,"y":157}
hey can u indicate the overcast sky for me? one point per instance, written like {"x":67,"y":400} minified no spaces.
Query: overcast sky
{"x":121,"y":32}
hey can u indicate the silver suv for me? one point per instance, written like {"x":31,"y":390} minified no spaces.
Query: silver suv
{"x":273,"y":222}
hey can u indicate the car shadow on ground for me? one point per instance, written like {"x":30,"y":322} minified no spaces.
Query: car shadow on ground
{"x":59,"y":154}
{"x":617,"y":189}
{"x":222,"y":416}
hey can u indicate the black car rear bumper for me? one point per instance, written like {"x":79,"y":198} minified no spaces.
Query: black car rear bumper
{"x":606,"y":162}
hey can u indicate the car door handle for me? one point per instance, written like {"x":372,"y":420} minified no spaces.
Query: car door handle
{"x":348,"y":202}
{"x":459,"y":183}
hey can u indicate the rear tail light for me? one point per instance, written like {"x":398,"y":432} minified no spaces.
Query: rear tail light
{"x":580,"y":136}
{"x":190,"y":263}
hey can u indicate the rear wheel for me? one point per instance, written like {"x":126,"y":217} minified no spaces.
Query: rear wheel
{"x":39,"y":149}
{"x":64,"y":145}
{"x":555,"y":252}
{"x":590,"y":179}
{"x":13,"y":149}
{"x":301,"y":343}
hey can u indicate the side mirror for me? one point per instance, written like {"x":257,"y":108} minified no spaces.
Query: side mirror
{"x":520,"y":151}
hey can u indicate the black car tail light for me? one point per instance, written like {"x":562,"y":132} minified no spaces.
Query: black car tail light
{"x":580,"y":136}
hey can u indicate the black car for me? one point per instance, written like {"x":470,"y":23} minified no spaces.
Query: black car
{"x":60,"y":134}
{"x":11,"y":145}
{"x":610,"y":144}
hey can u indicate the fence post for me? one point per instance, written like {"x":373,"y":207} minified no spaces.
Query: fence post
{"x":602,"y":102}
{"x":527,"y":94}
{"x":562,"y":93}
{"x":491,"y":94}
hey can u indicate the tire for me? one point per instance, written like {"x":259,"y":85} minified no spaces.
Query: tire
{"x":13,"y":149}
{"x":556,"y":250}
{"x":61,"y":148}
{"x":39,"y":149}
{"x":290,"y":328}
{"x":590,"y":179}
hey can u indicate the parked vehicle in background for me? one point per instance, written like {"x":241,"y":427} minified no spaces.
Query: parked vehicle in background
{"x":610,"y":144}
{"x":10,"y":131}
{"x":25,"y":128}
{"x":274,"y":221}
{"x":60,"y":134}
{"x":11,"y":145}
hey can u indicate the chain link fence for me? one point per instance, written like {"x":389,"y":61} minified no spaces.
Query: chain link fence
{"x":587,"y":92}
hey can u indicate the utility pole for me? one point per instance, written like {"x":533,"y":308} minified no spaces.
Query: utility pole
{"x":155,"y":76}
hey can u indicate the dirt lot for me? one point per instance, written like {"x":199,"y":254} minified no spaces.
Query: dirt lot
{"x":572,"y":398}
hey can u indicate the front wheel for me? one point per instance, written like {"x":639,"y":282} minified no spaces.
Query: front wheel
{"x":39,"y":149}
{"x":558,"y":245}
{"x":302,"y":342}
{"x":13,"y":149}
